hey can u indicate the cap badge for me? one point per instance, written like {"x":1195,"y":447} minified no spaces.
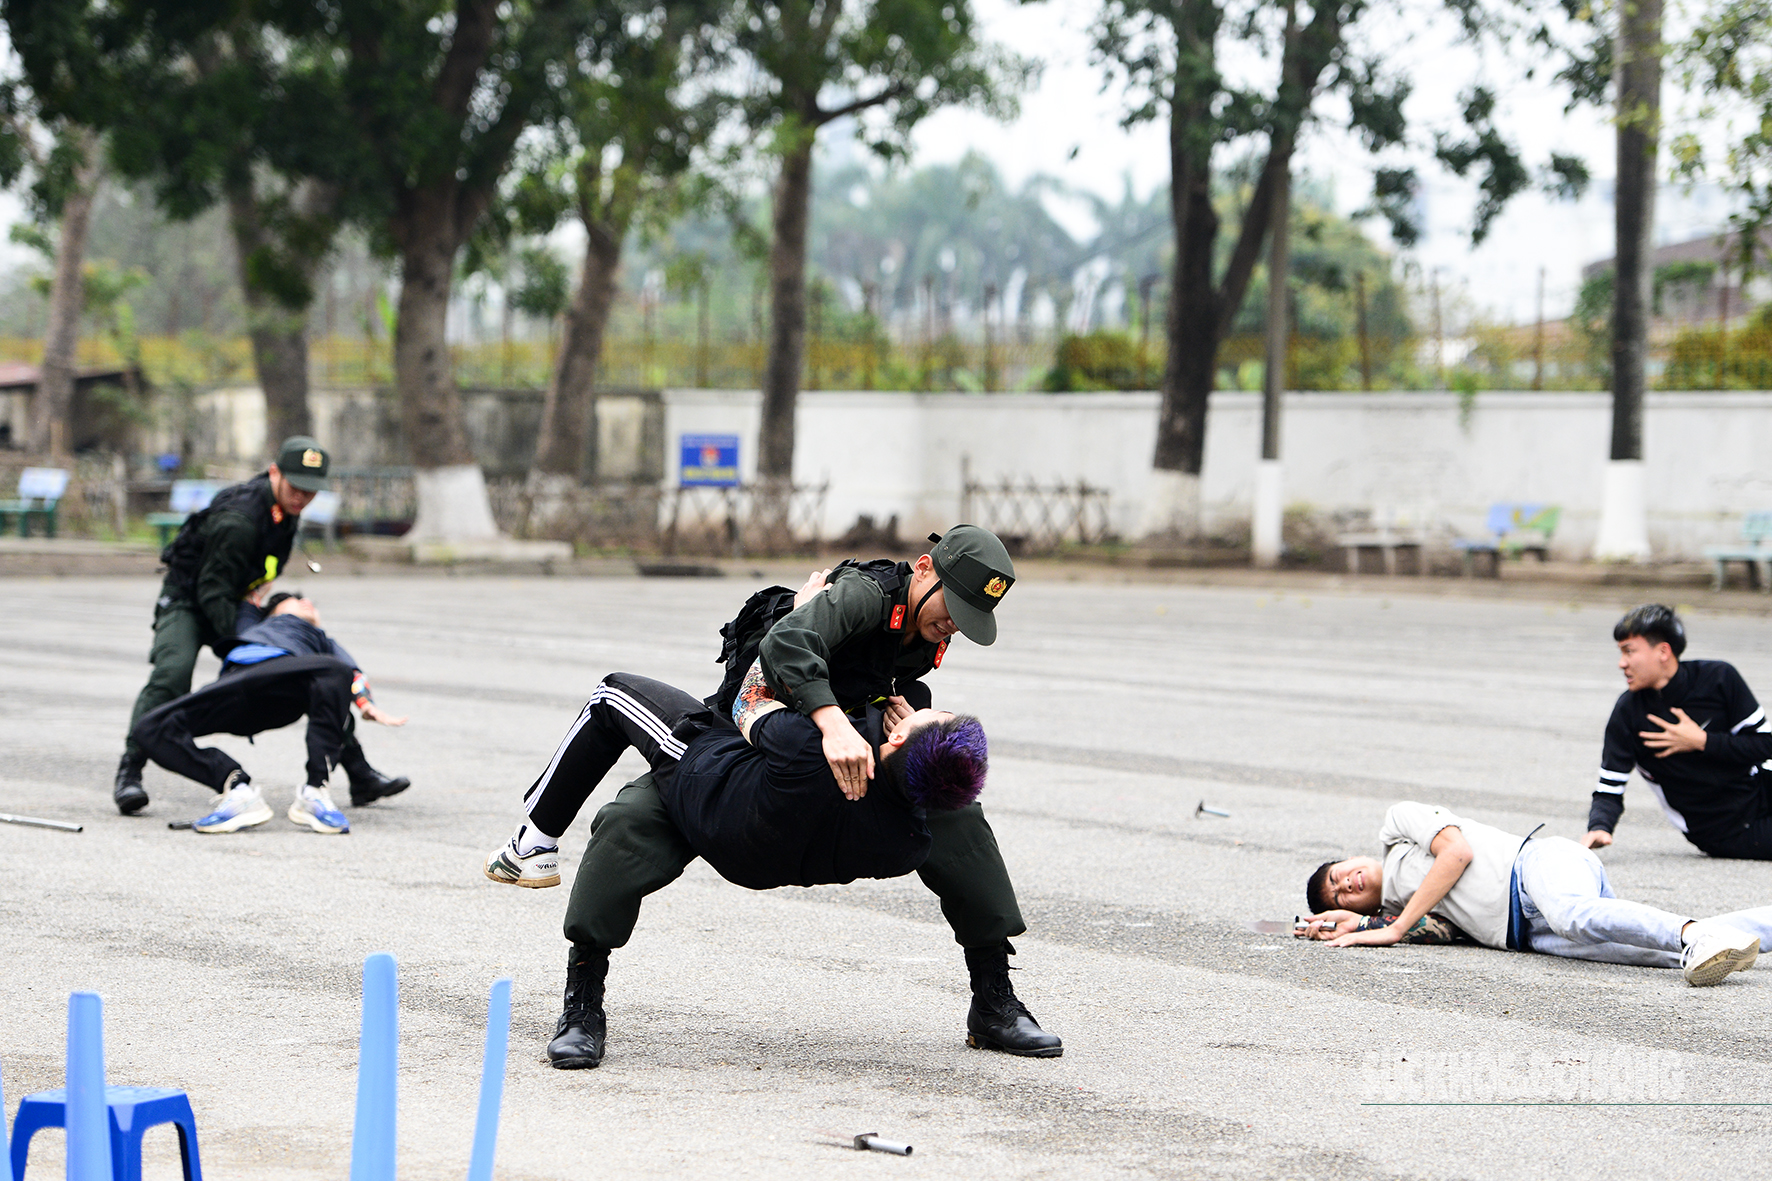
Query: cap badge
{"x":995,"y":588}
{"x":312,"y":458}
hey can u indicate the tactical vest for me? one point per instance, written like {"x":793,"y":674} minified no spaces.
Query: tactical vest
{"x":861,"y":670}
{"x":252,"y":500}
{"x":862,"y":667}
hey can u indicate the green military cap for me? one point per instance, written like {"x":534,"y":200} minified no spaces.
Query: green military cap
{"x":975,"y":573}
{"x":304,"y":463}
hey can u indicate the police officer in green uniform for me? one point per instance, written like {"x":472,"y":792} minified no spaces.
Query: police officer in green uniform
{"x":870,"y":640}
{"x":867,"y":638}
{"x":221,"y":557}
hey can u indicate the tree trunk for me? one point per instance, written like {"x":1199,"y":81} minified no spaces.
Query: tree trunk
{"x":1623,"y":531}
{"x":1172,"y":504}
{"x":50,"y":408}
{"x":787,"y":312}
{"x":1267,"y":528}
{"x":279,"y":335}
{"x":1639,"y":113}
{"x":567,"y":442}
{"x":452,"y":500}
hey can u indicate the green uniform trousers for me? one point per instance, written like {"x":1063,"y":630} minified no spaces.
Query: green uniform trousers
{"x":180,"y":631}
{"x":635,"y":849}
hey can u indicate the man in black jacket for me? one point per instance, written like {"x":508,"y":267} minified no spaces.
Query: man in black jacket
{"x":1694,"y":732}
{"x":282,"y":668}
{"x":759,"y":803}
{"x":222,"y":557}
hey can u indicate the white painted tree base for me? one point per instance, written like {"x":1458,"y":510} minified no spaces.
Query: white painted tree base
{"x":1171,"y":506}
{"x":1624,"y":514}
{"x":452,"y":505}
{"x":1270,"y":513}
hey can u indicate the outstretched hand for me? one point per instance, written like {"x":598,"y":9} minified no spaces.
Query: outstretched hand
{"x":374,"y":713}
{"x":1373,"y":937}
{"x":1596,"y":838}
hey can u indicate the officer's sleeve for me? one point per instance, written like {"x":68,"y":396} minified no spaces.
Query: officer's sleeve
{"x":1749,"y":738}
{"x":1618,"y":756}
{"x":796,"y":652}
{"x":225,"y":571}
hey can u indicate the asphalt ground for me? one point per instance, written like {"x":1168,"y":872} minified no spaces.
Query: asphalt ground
{"x":750,"y":1032}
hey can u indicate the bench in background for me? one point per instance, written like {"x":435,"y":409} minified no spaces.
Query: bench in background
{"x":1515,"y":529}
{"x":1756,"y":529}
{"x":188,"y":496}
{"x":40,"y":490}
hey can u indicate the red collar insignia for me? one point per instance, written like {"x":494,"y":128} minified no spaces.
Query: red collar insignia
{"x":940,"y":651}
{"x":276,"y":514}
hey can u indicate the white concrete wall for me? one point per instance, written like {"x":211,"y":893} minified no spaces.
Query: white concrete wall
{"x":1405,"y":455}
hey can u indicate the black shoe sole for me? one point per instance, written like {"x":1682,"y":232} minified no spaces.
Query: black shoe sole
{"x":394,"y":788}
{"x":574,"y":1063}
{"x":983,"y":1043}
{"x":130,"y":802}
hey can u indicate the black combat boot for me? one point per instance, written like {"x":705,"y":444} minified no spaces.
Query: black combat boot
{"x":128,"y":791}
{"x":998,"y":1020}
{"x":578,"y":1038}
{"x":367,"y":784}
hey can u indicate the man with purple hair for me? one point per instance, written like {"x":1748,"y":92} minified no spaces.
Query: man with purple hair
{"x":754,"y":796}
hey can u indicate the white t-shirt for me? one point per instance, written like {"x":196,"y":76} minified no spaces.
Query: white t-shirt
{"x":1479,"y":901}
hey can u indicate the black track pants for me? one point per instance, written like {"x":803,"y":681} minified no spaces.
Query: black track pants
{"x":624,"y":711}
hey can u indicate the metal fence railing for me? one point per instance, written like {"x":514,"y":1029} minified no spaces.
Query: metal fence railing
{"x":749,"y":519}
{"x":1032,"y":517}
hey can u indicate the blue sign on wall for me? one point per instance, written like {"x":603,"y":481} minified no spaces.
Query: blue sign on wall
{"x":708,"y":461}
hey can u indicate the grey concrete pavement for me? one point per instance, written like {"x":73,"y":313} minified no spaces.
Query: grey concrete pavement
{"x":744,"y":1026}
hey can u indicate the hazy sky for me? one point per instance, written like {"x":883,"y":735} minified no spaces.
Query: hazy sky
{"x":1067,"y":111}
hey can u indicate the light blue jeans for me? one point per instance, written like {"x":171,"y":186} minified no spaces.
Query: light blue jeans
{"x":1571,"y":911}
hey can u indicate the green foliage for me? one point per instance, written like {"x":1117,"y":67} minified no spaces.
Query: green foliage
{"x":546,"y":286}
{"x":1727,"y":59}
{"x":1100,"y":361}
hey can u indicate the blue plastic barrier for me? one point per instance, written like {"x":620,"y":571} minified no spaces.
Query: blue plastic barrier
{"x":5,"y":1157}
{"x":89,"y":1131}
{"x":372,"y":1141}
{"x":492,"y":1081}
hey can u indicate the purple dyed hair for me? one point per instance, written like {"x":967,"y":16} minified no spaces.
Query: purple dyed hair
{"x":942,"y":765}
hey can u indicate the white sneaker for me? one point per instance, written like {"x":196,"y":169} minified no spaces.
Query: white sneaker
{"x":242,"y":806}
{"x":316,"y":811}
{"x":537,"y":871}
{"x":1715,"y":951}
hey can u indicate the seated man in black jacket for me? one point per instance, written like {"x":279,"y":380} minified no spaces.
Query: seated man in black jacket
{"x":758,"y":801}
{"x":1694,"y":732}
{"x":284,"y":666}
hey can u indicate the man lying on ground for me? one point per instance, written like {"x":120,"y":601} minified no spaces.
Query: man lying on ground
{"x":283,"y":667}
{"x":1513,"y":893}
{"x":759,"y":802}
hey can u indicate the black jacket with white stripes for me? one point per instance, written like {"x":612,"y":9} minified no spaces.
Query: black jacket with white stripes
{"x":1703,"y":792}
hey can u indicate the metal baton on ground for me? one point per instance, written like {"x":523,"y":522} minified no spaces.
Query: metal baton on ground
{"x":871,"y":1141}
{"x":1203,"y":810}
{"x":32,"y":821}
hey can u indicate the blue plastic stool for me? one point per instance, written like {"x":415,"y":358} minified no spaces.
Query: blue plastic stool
{"x":133,"y":1111}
